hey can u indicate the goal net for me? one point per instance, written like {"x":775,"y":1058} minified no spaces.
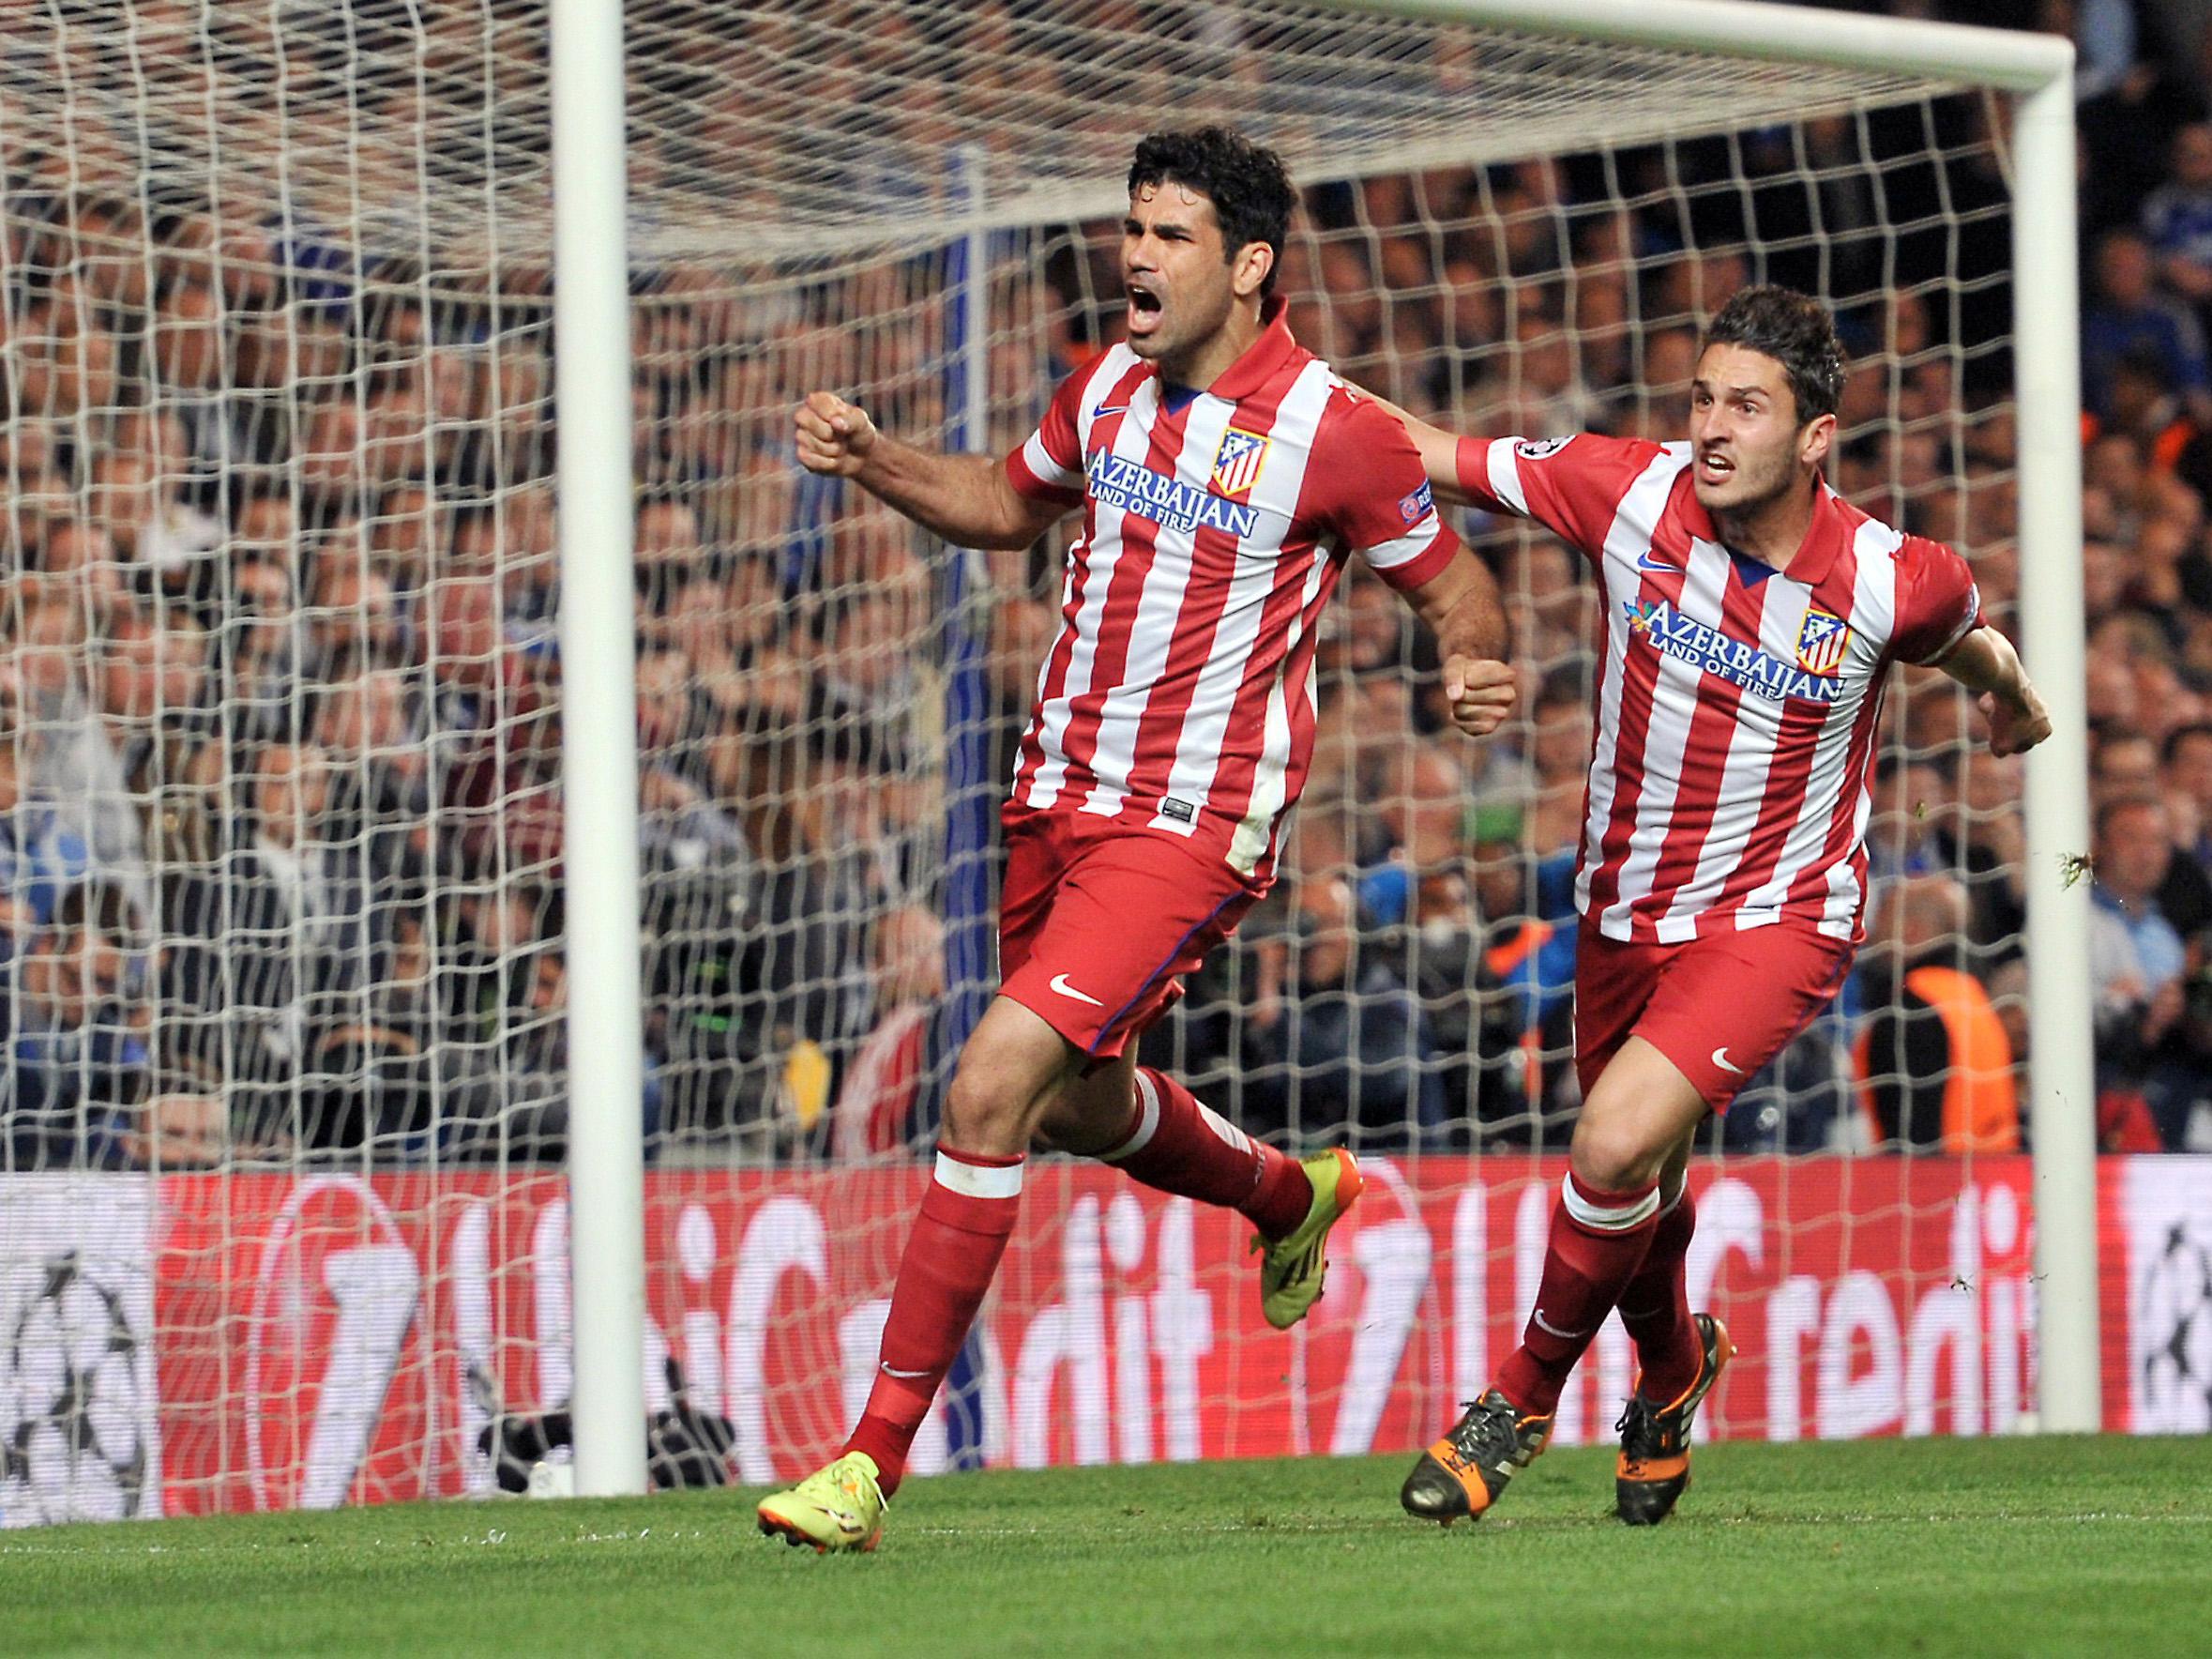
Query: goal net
{"x":282,"y":1217}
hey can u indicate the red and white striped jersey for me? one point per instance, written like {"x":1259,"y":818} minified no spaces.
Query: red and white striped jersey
{"x":1736,"y":706}
{"x":1179,"y":692}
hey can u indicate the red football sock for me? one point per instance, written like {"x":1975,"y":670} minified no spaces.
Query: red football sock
{"x":1656,"y":1305}
{"x":1178,"y":1146}
{"x":965,"y":1218}
{"x":1598,"y":1241}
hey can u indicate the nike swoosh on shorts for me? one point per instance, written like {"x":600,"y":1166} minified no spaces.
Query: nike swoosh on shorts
{"x":1060,"y":984}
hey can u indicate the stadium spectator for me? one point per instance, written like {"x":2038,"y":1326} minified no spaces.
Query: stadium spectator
{"x":2125,"y":763}
{"x":355,"y":618}
{"x":327,"y":461}
{"x":1352,"y":1045}
{"x":2186,"y":777}
{"x":1525,"y":1040}
{"x":157,"y":530}
{"x":2137,"y":960}
{"x":1901,"y":838}
{"x":74,"y":763}
{"x":371,"y":727}
{"x":75,"y":1023}
{"x":887,"y":1097}
{"x":2177,"y":217}
{"x":297,"y":928}
{"x":1561,"y":751}
{"x":528,"y":1032}
{"x":2130,"y":314}
{"x":1986,"y":847}
{"x":1933,"y":1062}
{"x":40,"y":857}
{"x":410,"y":533}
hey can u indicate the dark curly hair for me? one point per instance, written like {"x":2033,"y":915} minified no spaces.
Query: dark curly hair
{"x":1797,"y":331}
{"x":1247,"y":183}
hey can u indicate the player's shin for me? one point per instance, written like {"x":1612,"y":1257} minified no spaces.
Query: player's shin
{"x":1179,"y":1146}
{"x":1655,"y":1307}
{"x":967,"y":1217}
{"x":1599,"y":1239}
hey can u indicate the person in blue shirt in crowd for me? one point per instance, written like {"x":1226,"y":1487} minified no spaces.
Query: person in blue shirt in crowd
{"x":2130,"y":316}
{"x":2138,"y":966}
{"x":40,"y":854}
{"x":72,"y":1017}
{"x":2177,"y":217}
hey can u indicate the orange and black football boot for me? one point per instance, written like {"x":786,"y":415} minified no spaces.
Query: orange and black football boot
{"x":1464,"y":1473}
{"x":1654,"y":1468}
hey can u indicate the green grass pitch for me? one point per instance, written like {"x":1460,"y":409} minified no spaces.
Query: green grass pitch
{"x":1930,"y":1547}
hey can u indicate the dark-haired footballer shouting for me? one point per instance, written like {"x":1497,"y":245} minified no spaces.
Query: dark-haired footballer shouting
{"x":1225,"y":475}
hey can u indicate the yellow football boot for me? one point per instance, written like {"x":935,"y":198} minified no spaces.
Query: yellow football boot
{"x":1292,"y":1268}
{"x":839,"y":1506}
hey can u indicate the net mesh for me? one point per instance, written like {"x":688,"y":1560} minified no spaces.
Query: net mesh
{"x":282,"y":701}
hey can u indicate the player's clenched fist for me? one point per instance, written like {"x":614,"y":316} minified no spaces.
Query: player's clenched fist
{"x":1480,"y":692}
{"x":834,"y":436}
{"x":2017,"y":723}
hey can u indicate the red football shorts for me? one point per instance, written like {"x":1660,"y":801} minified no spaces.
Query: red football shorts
{"x":1718,"y":1007}
{"x":1099,"y":922}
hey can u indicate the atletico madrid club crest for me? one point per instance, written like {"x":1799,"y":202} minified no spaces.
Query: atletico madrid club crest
{"x":1821,"y":641}
{"x":1237,"y":463}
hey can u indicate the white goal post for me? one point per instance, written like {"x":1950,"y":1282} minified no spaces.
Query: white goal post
{"x":599,"y":754}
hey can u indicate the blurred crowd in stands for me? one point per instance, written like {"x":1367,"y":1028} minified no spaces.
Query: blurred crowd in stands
{"x":280,"y":679}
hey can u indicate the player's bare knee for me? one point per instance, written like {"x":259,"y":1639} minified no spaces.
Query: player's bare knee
{"x":982,"y":1114}
{"x":1615,"y":1153}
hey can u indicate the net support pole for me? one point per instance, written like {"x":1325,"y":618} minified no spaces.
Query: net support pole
{"x":968,"y":431}
{"x":2063,"y":1114}
{"x":598,"y":748}
{"x":969,"y":969}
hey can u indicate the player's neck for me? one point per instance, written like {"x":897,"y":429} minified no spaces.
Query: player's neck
{"x":1773,"y":531}
{"x":1210,"y":359}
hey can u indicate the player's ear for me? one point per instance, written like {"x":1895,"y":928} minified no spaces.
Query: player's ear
{"x":1249,"y":268}
{"x":1819,"y":437}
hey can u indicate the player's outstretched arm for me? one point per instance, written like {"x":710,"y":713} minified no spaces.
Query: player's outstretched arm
{"x":1460,"y":603}
{"x":1985,"y":663}
{"x":965,"y":498}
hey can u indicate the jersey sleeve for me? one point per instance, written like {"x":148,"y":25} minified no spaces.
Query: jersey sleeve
{"x":1572,"y":486}
{"x":1049,"y":464}
{"x":1937,"y":604}
{"x":1366,"y":486}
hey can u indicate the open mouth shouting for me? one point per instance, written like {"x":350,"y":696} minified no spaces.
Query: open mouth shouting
{"x":1146,"y":308}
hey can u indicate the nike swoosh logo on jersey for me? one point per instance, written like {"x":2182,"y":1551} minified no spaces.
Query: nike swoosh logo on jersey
{"x":1060,"y":984}
{"x":1721,"y":1060}
{"x":1648,"y":561}
{"x":1102,"y":410}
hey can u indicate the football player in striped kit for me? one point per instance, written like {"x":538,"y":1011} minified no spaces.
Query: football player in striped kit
{"x":1750,"y":618}
{"x":1225,"y":476}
